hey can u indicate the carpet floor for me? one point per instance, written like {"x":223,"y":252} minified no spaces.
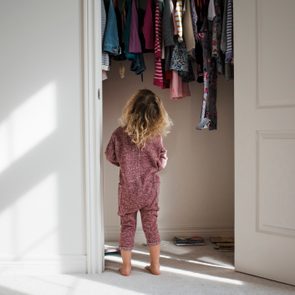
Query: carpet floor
{"x":199,"y":270}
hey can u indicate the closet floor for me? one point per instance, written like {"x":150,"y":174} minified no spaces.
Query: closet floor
{"x":188,"y":270}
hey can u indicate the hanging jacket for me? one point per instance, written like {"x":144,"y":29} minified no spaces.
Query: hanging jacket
{"x":111,"y":38}
{"x":148,"y":27}
{"x":127,"y":29}
{"x":134,"y":41}
{"x":105,"y":61}
{"x":194,"y":18}
{"x":167,"y":24}
{"x":159,"y":78}
{"x":188,"y":28}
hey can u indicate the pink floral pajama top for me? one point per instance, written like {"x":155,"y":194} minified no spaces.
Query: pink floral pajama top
{"x":139,"y":182}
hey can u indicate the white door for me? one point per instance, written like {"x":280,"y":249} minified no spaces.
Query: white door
{"x":265,"y":138}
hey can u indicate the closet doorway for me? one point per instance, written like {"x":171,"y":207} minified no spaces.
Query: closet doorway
{"x":255,"y":150}
{"x":197,"y":186}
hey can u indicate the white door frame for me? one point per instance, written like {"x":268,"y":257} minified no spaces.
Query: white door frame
{"x":93,"y":152}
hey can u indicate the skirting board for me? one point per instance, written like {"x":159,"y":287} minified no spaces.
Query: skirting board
{"x":112,"y":233}
{"x":63,"y":264}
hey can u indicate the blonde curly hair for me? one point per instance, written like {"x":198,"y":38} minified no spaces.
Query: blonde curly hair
{"x":144,"y":117}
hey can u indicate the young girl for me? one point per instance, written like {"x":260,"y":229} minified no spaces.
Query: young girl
{"x":137,"y":148}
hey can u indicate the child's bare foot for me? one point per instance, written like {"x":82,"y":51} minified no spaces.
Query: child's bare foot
{"x":155,"y":270}
{"x":125,"y":270}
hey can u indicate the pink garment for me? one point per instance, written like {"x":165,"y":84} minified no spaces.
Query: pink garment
{"x":139,"y":182}
{"x":178,"y":88}
{"x":158,"y":35}
{"x":134,"y":41}
{"x":158,"y":75}
{"x":148,"y":26}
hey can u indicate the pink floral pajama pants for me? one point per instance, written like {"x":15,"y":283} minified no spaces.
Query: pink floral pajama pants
{"x":149,"y":225}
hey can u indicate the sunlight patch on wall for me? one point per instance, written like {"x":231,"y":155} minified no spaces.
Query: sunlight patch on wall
{"x":30,"y":225}
{"x":37,"y":213}
{"x":28,"y":125}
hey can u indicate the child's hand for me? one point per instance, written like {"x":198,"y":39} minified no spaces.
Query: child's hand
{"x":162,"y":162}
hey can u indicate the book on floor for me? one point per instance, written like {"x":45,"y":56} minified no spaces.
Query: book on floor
{"x":111,"y":251}
{"x":221,"y":239}
{"x":224,"y":246}
{"x":189,"y":241}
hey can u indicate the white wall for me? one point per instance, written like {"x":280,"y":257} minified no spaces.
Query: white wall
{"x":41,"y":179}
{"x":197,"y":190}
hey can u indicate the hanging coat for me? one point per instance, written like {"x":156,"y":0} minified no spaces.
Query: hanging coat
{"x":111,"y":38}
{"x":148,"y":27}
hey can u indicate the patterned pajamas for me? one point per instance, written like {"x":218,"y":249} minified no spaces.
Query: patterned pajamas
{"x":138,"y":186}
{"x":149,"y":225}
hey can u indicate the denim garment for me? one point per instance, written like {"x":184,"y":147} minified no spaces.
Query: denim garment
{"x":111,"y":37}
{"x":105,"y":60}
{"x":138,"y":65}
{"x":127,"y":28}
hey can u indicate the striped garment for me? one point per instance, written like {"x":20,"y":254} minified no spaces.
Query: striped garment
{"x":229,"y":33}
{"x":178,"y":19}
{"x":158,"y":31}
{"x":158,"y":75}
